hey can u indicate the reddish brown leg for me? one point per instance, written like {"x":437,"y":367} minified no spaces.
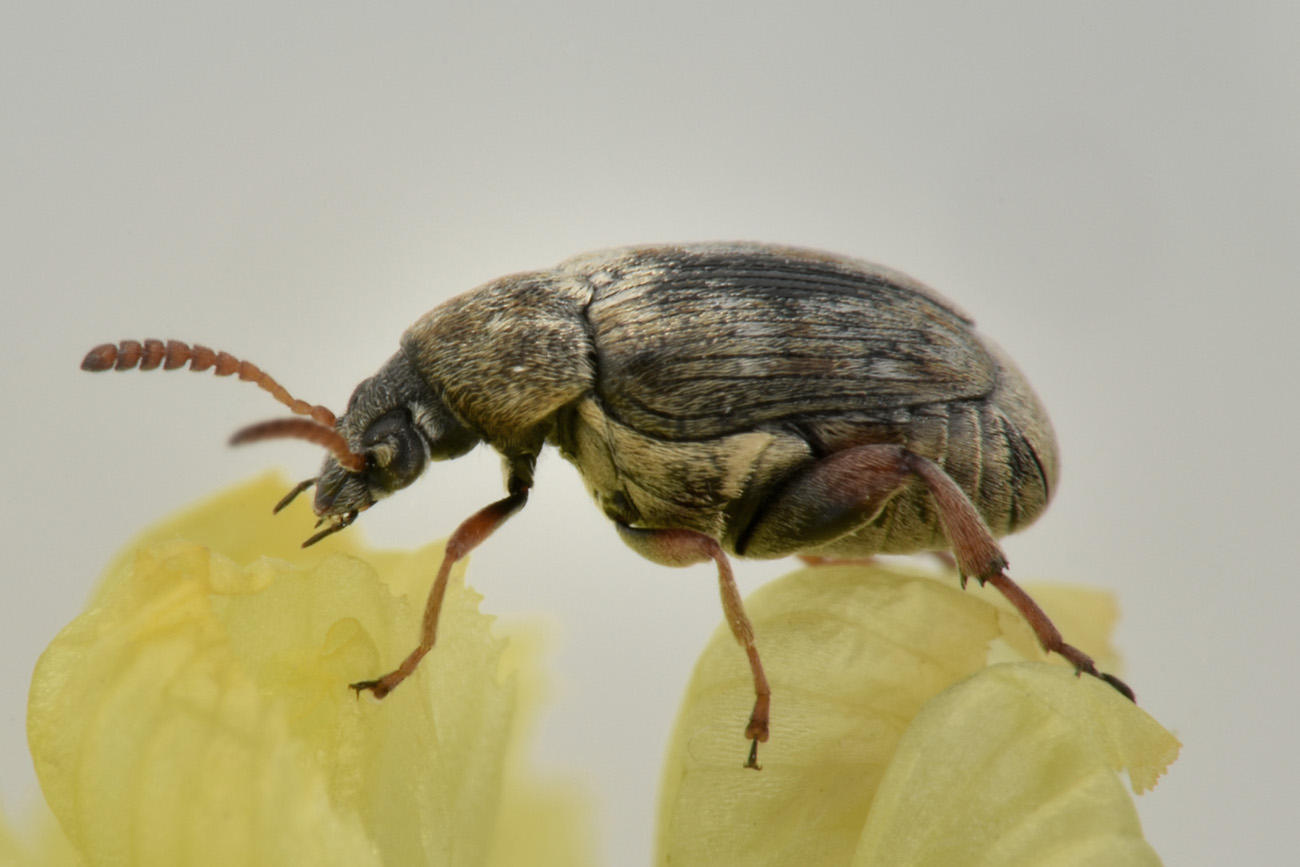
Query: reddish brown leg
{"x":847,"y":489}
{"x":684,"y":548}
{"x":978,"y":554}
{"x":1048,"y":635}
{"x":467,"y":537}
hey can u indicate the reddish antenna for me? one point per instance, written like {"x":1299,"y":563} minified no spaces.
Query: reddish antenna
{"x":174,"y":354}
{"x":302,"y":429}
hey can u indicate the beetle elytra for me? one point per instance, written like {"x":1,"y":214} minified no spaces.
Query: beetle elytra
{"x":718,"y":400}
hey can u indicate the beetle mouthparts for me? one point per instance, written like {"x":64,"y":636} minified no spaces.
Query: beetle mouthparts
{"x":292,"y":495}
{"x":335,"y":523}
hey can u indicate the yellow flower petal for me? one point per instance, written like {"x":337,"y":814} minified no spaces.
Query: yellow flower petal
{"x":198,"y":711}
{"x":1016,"y":765}
{"x":851,"y":661}
{"x":853,"y":655}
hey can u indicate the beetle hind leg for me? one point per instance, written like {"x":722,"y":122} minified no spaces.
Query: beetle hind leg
{"x":849,"y":488}
{"x":977,"y":554}
{"x":685,"y":548}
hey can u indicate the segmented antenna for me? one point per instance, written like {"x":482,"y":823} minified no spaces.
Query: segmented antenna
{"x":301,"y":429}
{"x":173,"y":354}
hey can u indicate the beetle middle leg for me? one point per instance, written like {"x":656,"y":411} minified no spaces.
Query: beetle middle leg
{"x":685,"y":548}
{"x":849,"y":488}
{"x":468,"y":536}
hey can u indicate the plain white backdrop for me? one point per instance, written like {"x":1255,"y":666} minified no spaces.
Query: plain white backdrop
{"x":1113,"y":189}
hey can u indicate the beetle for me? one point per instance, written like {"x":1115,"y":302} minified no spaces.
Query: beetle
{"x":718,"y":400}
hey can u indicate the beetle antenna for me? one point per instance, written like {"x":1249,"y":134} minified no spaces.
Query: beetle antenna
{"x":149,"y":354}
{"x":301,"y":429}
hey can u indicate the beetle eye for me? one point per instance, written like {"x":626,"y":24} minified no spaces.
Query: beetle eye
{"x":396,"y":451}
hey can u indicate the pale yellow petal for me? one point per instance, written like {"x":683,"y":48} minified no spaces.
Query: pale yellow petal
{"x":198,"y":711}
{"x":1017,"y":766}
{"x":852,"y":654}
{"x":153,"y":745}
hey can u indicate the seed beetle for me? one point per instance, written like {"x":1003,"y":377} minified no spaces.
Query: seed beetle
{"x":717,"y":399}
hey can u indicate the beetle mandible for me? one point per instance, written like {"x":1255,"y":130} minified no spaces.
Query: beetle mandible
{"x":717,"y":399}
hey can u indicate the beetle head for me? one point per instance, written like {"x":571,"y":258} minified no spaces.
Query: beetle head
{"x":394,"y":425}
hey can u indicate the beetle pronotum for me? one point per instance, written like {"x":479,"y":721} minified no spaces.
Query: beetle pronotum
{"x":717,"y":399}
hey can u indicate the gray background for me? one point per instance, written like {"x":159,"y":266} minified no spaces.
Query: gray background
{"x":1112,"y":188}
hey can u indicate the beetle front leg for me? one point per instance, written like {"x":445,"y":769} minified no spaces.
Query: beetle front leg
{"x":685,"y":548}
{"x":468,"y":536}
